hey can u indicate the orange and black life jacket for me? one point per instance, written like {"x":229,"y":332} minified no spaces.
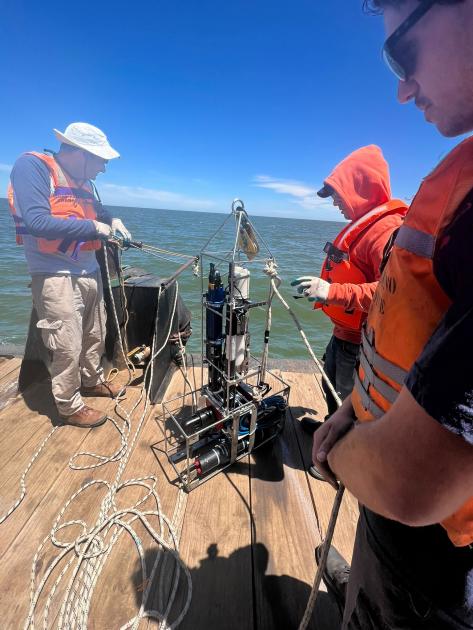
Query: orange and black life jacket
{"x":409,"y":303}
{"x":67,"y":201}
{"x":339,"y":267}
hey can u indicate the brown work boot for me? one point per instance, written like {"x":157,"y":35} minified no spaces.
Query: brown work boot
{"x":86,"y":418}
{"x":111,"y":390}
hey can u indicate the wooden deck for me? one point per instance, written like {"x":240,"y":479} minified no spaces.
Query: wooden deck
{"x":247,"y":535}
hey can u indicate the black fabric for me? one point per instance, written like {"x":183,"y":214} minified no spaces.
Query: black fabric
{"x":340,"y":361}
{"x":387,"y":250}
{"x":381,"y":597}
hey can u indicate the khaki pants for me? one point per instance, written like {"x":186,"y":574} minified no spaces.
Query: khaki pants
{"x":72,"y":320}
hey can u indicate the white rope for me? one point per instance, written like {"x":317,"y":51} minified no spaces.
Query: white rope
{"x":270,"y":268}
{"x":83,"y":558}
{"x":271,"y":271}
{"x":162,"y":254}
{"x":92,"y":548}
{"x":323,"y":559}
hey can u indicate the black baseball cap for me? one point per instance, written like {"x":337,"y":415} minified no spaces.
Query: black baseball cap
{"x":325,"y":191}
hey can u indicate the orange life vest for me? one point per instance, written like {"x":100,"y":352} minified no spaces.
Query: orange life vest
{"x":67,"y":201}
{"x":338,"y":267}
{"x":409,"y":303}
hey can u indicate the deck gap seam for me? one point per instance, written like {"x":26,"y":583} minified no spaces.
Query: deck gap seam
{"x":312,"y":498}
{"x":51,"y":484}
{"x":253,"y":542}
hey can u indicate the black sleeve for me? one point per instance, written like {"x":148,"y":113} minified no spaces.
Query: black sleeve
{"x":441,"y":380}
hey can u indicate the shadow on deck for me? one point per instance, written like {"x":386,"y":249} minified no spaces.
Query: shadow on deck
{"x":247,"y":536}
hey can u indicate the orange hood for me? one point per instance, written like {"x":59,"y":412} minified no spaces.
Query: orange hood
{"x":362,"y":180}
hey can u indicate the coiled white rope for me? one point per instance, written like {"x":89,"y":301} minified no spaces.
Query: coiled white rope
{"x":271,"y":270}
{"x":93,"y":548}
{"x":102,"y":459}
{"x":85,"y":557}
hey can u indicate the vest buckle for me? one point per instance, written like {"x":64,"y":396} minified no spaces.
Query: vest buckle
{"x":334,"y":254}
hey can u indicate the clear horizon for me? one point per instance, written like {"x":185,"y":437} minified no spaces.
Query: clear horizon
{"x":222,"y":212}
{"x":210,"y":101}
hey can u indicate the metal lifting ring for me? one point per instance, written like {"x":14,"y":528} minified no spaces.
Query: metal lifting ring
{"x":239,"y":208}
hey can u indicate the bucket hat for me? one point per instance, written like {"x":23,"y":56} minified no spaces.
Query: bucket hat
{"x":88,"y":138}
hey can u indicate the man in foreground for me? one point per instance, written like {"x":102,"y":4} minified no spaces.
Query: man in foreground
{"x":61,"y":223}
{"x":360,"y":188}
{"x":403,"y":442}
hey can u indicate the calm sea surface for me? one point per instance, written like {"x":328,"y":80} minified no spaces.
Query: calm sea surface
{"x":296,"y":245}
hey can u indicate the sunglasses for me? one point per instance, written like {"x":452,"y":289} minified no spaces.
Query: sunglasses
{"x":402,"y":60}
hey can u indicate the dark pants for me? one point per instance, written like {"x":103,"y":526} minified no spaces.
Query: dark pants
{"x":339,"y":364}
{"x":377,"y":599}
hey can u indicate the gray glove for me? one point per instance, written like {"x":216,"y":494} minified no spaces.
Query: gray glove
{"x":103,"y":230}
{"x":313,"y":288}
{"x":117,"y":226}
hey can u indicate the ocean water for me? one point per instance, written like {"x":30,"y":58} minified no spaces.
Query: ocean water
{"x":296,"y":245}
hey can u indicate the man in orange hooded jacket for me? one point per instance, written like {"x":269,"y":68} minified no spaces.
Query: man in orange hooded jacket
{"x":360,"y":188}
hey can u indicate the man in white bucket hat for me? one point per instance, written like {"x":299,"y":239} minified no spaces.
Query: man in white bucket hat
{"x":89,"y":138}
{"x":61,"y":222}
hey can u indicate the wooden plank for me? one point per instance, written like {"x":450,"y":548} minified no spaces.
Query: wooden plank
{"x":25,"y":423}
{"x":21,"y":421}
{"x":286,"y":531}
{"x":119,"y":574}
{"x":8,"y":390}
{"x":51,"y":485}
{"x":9,"y":366}
{"x":51,"y":466}
{"x":216,"y":546}
{"x":309,"y":392}
{"x":120,"y":589}
{"x":222,"y":543}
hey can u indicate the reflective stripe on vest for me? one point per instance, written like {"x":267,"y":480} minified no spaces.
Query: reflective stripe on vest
{"x":370,"y":378}
{"x":392,"y":371}
{"x":409,"y":303}
{"x":367,"y":401}
{"x":366,"y":378}
{"x":416,"y":241}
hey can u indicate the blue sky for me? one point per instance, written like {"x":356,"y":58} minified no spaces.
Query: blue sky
{"x":207,"y":101}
